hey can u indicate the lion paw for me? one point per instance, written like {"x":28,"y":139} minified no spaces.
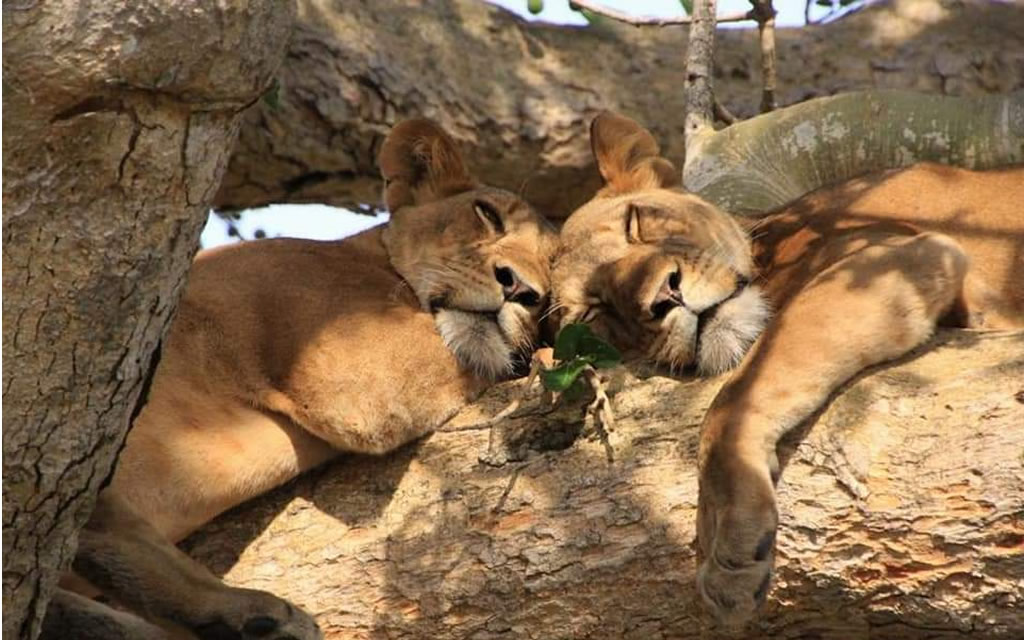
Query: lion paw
{"x":736,"y":550}
{"x":258,"y":615}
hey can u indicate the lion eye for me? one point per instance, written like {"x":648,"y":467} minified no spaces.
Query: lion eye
{"x":489,"y":216}
{"x":674,"y":280}
{"x":660,"y":309}
{"x":589,"y":314}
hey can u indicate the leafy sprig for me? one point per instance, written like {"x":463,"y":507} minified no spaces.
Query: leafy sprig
{"x":576,"y":348}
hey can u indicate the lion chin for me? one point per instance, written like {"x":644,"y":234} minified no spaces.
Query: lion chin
{"x":726,"y":337}
{"x":488,"y":344}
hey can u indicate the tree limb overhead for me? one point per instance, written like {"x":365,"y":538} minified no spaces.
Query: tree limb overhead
{"x":518,"y":96}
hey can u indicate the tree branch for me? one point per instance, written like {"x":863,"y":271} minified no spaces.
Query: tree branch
{"x":352,"y":71}
{"x":430,"y":543}
{"x":654,"y":21}
{"x":764,"y":13}
{"x":723,"y":113}
{"x":700,"y":57}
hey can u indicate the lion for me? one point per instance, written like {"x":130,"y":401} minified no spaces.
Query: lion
{"x":283,"y":354}
{"x":797,"y":303}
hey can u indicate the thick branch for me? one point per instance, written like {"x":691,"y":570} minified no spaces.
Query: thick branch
{"x":353,"y":69}
{"x":762,"y":163}
{"x":558,"y":543}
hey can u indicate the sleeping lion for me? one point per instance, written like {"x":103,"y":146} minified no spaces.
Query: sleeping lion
{"x":799,"y":301}
{"x":284,"y":353}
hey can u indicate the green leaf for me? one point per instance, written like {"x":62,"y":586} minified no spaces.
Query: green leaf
{"x":564,"y":375}
{"x":593,"y":19}
{"x":601,"y":354}
{"x":687,"y":6}
{"x":535,"y":6}
{"x":568,"y":340}
{"x":578,"y":341}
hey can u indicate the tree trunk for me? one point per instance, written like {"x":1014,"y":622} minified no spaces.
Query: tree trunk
{"x":518,"y":96}
{"x":119,"y":121}
{"x":901,"y":506}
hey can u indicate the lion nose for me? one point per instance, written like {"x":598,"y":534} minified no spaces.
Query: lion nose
{"x":514,"y":289}
{"x":668,"y":296}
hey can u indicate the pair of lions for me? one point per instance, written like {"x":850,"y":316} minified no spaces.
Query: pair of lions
{"x":286,"y":352}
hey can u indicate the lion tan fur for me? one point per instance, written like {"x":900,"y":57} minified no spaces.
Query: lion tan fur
{"x":800,"y":301}
{"x":286,"y":352}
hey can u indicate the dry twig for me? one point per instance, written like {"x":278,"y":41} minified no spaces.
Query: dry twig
{"x":723,"y":114}
{"x":510,"y":408}
{"x":600,"y":410}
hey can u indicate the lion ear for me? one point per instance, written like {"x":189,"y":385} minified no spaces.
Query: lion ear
{"x":628,"y":156}
{"x":421,"y":163}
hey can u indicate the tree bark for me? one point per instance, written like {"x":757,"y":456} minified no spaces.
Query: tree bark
{"x":771,"y":160}
{"x":119,"y":121}
{"x":901,"y":507}
{"x":700,"y":57}
{"x":518,"y":96}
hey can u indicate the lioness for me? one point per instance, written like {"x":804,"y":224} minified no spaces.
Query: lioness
{"x":858,"y":274}
{"x":284,"y":353}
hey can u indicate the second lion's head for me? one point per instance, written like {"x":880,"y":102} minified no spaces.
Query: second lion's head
{"x":659,"y":272}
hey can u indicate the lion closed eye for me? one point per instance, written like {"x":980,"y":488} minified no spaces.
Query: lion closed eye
{"x":664,"y":275}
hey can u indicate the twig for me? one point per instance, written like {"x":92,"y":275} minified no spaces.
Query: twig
{"x":510,"y":408}
{"x":508,"y":488}
{"x":654,"y":21}
{"x":764,"y":13}
{"x":723,"y":114}
{"x":601,"y":410}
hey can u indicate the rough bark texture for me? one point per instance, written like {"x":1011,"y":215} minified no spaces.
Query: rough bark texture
{"x":700,"y":57}
{"x":119,"y":118}
{"x":902,"y":516}
{"x":518,"y":96}
{"x":771,"y":160}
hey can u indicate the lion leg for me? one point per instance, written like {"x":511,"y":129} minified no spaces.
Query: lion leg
{"x":70,"y":616}
{"x":868,"y":307}
{"x":123,"y":556}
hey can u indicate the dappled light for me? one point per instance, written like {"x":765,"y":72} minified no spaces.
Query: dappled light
{"x":773,"y":344}
{"x":573,"y":531}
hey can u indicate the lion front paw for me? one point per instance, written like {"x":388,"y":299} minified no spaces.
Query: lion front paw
{"x":248,"y":614}
{"x":736,"y":545}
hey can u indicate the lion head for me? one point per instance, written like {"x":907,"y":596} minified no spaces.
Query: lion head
{"x":478,"y":258}
{"x":659,"y":272}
